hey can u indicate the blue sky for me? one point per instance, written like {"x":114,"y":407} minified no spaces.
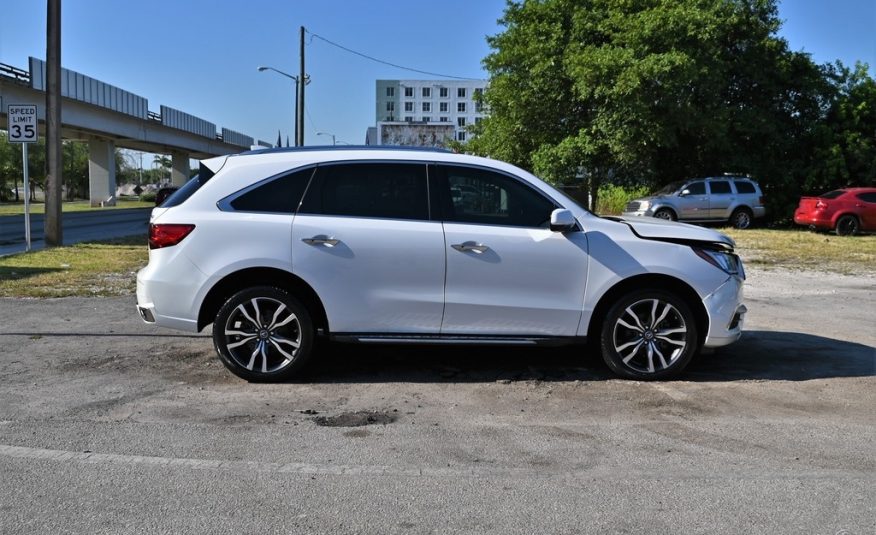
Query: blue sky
{"x":200,"y":56}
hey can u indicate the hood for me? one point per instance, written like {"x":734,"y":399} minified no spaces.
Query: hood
{"x":651,"y":228}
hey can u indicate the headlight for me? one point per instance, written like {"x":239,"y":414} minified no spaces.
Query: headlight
{"x":727,"y":262}
{"x":644,"y":205}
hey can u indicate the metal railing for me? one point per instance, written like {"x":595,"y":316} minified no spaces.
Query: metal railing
{"x":15,"y":73}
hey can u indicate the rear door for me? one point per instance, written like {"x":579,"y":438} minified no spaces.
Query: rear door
{"x":363,"y":240}
{"x":722,"y":199}
{"x":507,"y":272}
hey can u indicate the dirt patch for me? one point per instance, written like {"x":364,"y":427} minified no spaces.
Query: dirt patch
{"x":355,"y":419}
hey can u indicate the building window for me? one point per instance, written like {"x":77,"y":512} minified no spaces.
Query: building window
{"x":390,"y":91}
{"x":427,"y":119}
{"x":390,"y":106}
{"x":460,"y":121}
{"x":427,"y":92}
{"x":479,"y":107}
{"x":442,"y":106}
{"x":409,"y":91}
{"x":460,"y":92}
{"x":478,"y":120}
{"x":409,"y":106}
{"x":479,"y":92}
{"x":460,"y":107}
{"x":445,"y":119}
{"x":409,"y":119}
{"x":443,"y":92}
{"x":427,"y":106}
{"x":460,"y":136}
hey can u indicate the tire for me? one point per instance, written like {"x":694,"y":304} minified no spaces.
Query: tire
{"x":847,"y":225}
{"x":649,"y":335}
{"x":256,"y":333}
{"x":741,"y":218}
{"x":666,"y":213}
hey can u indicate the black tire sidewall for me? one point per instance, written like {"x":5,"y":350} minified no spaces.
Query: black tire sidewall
{"x":307,"y":334}
{"x":614,"y":361}
{"x":669,"y":212}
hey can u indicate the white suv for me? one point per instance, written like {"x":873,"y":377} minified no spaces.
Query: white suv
{"x":386,"y":245}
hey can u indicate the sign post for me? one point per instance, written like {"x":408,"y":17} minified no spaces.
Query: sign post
{"x":22,"y":124}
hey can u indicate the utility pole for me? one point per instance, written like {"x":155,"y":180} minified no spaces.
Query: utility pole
{"x":53,"y":232}
{"x":299,"y":138}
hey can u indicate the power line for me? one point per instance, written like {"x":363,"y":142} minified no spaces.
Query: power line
{"x":366,"y":56}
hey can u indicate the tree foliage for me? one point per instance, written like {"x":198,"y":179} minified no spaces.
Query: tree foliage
{"x":650,"y":91}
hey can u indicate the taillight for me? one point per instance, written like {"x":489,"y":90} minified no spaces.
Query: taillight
{"x":760,"y":201}
{"x":167,"y":235}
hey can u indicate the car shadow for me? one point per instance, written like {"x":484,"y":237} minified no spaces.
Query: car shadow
{"x":770,"y":355}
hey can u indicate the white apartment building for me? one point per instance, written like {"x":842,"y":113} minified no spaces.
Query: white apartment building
{"x":439,"y":102}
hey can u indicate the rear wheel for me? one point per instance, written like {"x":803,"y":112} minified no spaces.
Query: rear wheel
{"x":263,"y":334}
{"x":649,"y":334}
{"x":847,"y":225}
{"x":741,"y":218}
{"x":665,"y":213}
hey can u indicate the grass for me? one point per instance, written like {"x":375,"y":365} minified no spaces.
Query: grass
{"x":108,"y":268}
{"x":14,"y":208}
{"x":802,"y":249}
{"x":93,"y":269}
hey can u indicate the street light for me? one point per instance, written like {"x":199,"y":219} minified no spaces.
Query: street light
{"x":295,"y":78}
{"x":327,"y":134}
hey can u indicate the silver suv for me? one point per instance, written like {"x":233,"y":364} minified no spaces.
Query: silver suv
{"x":737,"y":200}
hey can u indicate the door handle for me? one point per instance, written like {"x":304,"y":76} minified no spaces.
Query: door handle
{"x":321,"y":239}
{"x":470,"y":246}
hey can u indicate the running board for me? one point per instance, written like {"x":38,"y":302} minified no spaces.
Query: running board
{"x":445,"y":339}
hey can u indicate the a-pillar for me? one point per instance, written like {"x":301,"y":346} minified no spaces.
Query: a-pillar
{"x":179,"y":174}
{"x":101,"y":172}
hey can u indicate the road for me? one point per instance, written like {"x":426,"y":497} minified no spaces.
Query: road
{"x":77,"y":227}
{"x":108,"y":425}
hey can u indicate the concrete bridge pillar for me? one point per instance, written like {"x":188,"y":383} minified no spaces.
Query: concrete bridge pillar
{"x":102,"y":172}
{"x":180,"y":171}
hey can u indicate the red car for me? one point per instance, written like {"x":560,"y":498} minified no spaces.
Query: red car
{"x":847,"y":211}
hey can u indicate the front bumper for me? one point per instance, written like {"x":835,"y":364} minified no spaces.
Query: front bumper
{"x":726,"y":313}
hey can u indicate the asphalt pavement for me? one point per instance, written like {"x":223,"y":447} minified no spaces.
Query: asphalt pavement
{"x":77,"y":227}
{"x":108,"y":425}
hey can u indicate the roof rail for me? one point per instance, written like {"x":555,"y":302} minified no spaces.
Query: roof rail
{"x":342,"y":148}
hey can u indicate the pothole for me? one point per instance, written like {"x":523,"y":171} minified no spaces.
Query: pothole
{"x":355,"y":419}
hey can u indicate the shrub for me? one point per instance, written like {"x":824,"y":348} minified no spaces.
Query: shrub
{"x":147,"y":196}
{"x":612,"y":199}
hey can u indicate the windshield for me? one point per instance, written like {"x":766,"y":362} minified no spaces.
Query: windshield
{"x":670,"y":188}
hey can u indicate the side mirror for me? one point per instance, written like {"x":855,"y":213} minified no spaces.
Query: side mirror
{"x":684,"y":193}
{"x":562,"y":220}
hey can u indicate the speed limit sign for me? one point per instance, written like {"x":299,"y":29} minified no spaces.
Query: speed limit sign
{"x":22,"y":123}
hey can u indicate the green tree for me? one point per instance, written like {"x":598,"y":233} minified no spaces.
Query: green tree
{"x":652,"y":90}
{"x":845,"y":146}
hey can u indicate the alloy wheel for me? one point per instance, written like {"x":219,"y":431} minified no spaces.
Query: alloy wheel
{"x":262,"y":335}
{"x":650,"y":335}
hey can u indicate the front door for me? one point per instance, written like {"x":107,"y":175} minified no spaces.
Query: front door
{"x":507,"y":272}
{"x":695,"y":203}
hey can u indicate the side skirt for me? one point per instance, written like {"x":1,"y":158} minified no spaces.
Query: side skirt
{"x":449,"y":339}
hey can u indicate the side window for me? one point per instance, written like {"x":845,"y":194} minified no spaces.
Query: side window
{"x":696,"y":188}
{"x":867,"y":197}
{"x":280,"y":195}
{"x":743,"y":187}
{"x":384,"y":190}
{"x":720,"y":187}
{"x":487,"y":197}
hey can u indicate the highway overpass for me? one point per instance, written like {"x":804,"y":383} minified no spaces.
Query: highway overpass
{"x":107,"y":117}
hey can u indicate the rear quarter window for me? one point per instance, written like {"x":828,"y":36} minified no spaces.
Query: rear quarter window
{"x":280,"y":195}
{"x":868,"y":197}
{"x":743,"y":186}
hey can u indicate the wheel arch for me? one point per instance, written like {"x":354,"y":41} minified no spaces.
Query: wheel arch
{"x":262,"y":276}
{"x":647,"y":281}
{"x":665,"y":206}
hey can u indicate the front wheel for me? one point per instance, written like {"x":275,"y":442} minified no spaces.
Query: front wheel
{"x":665,"y":213}
{"x":263,"y":334}
{"x":649,"y":334}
